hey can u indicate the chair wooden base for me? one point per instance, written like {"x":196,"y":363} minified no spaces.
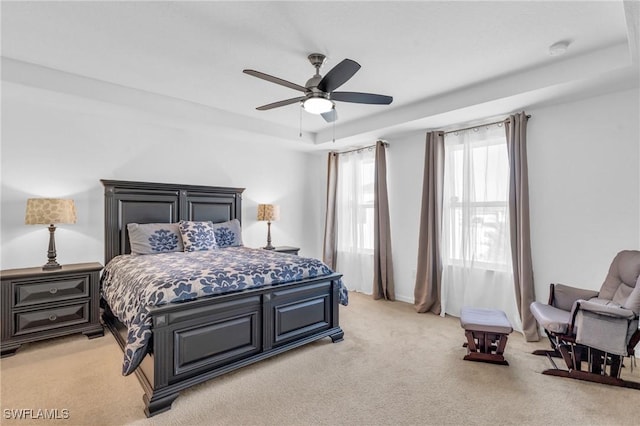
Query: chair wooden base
{"x":592,"y":377}
{"x":483,"y":346}
{"x":576,"y":356}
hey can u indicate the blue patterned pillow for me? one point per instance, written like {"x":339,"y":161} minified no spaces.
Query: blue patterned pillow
{"x":228,"y":234}
{"x":197,"y":236}
{"x":152,"y":238}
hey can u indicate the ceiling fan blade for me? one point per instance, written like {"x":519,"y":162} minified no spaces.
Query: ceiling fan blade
{"x":275,"y":80}
{"x":338,"y":75}
{"x":361,"y":98}
{"x":281,"y":103}
{"x":330,"y":116}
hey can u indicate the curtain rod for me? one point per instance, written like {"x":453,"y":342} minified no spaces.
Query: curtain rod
{"x":386,"y":144}
{"x":479,"y":125}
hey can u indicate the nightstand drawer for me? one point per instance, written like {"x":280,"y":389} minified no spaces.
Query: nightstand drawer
{"x":47,"y":319}
{"x":43,"y":291}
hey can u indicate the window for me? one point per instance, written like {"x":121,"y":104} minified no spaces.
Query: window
{"x":356,"y":173}
{"x":354,"y":218}
{"x":475,"y":199}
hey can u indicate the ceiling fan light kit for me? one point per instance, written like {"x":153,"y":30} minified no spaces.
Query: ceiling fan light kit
{"x":319,"y":95}
{"x":317,"y":105}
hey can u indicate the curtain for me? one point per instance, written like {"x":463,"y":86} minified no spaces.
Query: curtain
{"x":516,"y":134}
{"x":475,"y":234}
{"x":329,"y":248}
{"x":427,"y":295}
{"x":383,"y":286}
{"x":355,"y":219}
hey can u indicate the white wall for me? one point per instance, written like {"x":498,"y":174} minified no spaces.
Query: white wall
{"x":584,"y":191}
{"x":405,"y":168}
{"x":56,"y":145}
{"x":584,"y":188}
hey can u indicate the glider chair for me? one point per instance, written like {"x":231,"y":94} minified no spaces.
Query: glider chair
{"x":592,"y":331}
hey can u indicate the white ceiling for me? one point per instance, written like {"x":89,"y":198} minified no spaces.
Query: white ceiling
{"x":443,"y":62}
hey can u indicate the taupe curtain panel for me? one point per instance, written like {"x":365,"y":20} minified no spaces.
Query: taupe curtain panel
{"x":427,"y":295}
{"x":383,"y":286}
{"x":330,"y":248}
{"x":516,"y":130}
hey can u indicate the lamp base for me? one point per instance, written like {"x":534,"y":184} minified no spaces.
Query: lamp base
{"x":51,"y":253}
{"x":268,"y":246}
{"x":51,"y":265}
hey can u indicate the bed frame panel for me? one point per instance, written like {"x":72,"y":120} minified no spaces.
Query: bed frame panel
{"x":198,"y":340}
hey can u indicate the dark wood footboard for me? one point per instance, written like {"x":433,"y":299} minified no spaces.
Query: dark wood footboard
{"x":199,"y":340}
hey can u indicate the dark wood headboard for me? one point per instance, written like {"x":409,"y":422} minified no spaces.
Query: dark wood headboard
{"x":145,"y":202}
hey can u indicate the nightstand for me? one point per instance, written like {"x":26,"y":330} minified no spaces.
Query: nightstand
{"x":287,"y":249}
{"x":39,"y":304}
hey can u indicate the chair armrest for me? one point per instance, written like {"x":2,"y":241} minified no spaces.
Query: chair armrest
{"x":564,"y":296}
{"x":606,"y":327}
{"x":608,"y":310}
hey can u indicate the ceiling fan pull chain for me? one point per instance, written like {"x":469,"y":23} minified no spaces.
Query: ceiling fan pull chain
{"x":300,"y":135}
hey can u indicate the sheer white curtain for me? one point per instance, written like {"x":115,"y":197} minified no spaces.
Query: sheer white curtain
{"x":476,"y":251}
{"x":355,"y":219}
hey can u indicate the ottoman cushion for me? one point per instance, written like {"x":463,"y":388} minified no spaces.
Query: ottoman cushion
{"x":482,"y":319}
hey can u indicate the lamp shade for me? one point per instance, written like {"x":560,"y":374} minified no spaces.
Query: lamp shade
{"x":47,"y":211}
{"x":268,"y":212}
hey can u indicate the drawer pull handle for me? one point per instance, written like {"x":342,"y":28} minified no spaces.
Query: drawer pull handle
{"x":53,"y":290}
{"x":53,"y":317}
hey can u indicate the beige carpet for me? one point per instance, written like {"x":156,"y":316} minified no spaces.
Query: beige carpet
{"x":394,"y":367}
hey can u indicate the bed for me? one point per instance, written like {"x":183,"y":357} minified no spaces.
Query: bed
{"x":196,"y":340}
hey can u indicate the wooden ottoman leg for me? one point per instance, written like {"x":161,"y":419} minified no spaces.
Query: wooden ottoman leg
{"x":502,"y":344}
{"x":471,"y":342}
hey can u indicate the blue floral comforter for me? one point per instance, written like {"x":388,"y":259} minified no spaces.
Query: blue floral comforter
{"x":131,"y":284}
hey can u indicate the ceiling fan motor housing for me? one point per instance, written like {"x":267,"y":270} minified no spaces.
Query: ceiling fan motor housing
{"x":313,"y":82}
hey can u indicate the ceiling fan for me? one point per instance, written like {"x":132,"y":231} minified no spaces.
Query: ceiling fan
{"x":319,"y":95}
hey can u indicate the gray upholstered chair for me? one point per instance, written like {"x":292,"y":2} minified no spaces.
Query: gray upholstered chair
{"x":598,"y":328}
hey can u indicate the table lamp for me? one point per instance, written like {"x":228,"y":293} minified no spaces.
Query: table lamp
{"x":268,"y":212}
{"x":49,"y":211}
